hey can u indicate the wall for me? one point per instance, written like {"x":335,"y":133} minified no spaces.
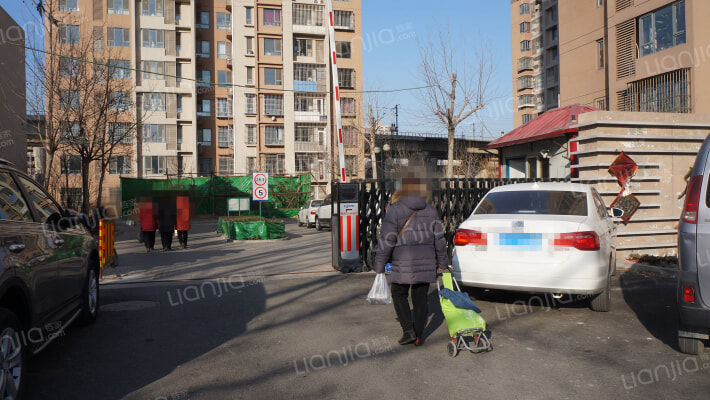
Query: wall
{"x":13,"y":138}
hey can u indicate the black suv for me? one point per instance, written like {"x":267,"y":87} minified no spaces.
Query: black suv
{"x":49,"y":274}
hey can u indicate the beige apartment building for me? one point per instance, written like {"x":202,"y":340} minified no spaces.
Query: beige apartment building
{"x":221,"y":87}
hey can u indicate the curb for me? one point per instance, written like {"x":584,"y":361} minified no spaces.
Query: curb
{"x":645,"y":269}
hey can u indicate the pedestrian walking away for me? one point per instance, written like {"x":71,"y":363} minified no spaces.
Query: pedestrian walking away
{"x":183,"y":219}
{"x":148,"y":222}
{"x":166,"y":222}
{"x":412,"y":239}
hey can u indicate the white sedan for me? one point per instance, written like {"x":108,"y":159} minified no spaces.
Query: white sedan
{"x":307,"y":214}
{"x":539,"y":237}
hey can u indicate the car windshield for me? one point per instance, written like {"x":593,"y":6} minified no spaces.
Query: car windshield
{"x":316,"y":203}
{"x":545,"y":202}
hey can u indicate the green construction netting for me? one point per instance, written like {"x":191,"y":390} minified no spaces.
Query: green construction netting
{"x":251,"y":230}
{"x":209,"y":195}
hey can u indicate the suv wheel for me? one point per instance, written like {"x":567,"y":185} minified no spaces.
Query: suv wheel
{"x":690,"y":345}
{"x":90,"y":297}
{"x":13,"y":356}
{"x":318,"y":225}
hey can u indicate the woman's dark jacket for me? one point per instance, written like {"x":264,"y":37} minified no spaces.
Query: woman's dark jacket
{"x":421,"y":248}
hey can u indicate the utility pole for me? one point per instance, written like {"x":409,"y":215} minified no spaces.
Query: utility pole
{"x":396,"y":119}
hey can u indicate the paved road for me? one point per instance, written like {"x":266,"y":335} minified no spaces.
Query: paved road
{"x":314,"y":336}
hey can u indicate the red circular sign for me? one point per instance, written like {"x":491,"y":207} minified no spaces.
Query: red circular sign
{"x":260,"y":193}
{"x":260,"y":180}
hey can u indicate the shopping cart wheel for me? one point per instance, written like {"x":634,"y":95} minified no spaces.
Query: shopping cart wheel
{"x":452,"y":349}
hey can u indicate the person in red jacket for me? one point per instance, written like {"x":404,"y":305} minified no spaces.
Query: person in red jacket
{"x":149,"y":223}
{"x":183,"y":219}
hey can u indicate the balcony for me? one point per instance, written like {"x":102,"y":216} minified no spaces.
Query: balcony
{"x":229,"y":62}
{"x":309,"y":147}
{"x":310,"y":116}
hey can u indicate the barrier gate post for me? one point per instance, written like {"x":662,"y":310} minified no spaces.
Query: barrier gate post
{"x":346,"y":228}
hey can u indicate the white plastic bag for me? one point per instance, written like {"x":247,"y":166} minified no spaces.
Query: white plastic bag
{"x":380,"y":292}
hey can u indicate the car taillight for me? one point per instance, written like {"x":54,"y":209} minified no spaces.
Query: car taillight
{"x":688,"y":294}
{"x":586,"y":241}
{"x":692,"y":199}
{"x":464,"y":237}
{"x":313,"y":212}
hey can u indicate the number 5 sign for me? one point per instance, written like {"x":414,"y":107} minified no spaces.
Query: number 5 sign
{"x":260,"y":186}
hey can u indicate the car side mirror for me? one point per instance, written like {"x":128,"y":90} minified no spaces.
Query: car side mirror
{"x":617,"y":212}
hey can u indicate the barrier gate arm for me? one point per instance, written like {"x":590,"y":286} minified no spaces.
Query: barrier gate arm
{"x":336,"y":91}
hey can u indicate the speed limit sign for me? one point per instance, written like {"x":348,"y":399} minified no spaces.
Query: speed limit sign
{"x":260,"y":186}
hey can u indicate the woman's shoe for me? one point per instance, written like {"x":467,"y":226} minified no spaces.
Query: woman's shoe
{"x":408,"y":338}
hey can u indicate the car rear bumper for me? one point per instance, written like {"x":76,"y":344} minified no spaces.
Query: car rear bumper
{"x":693,"y":317}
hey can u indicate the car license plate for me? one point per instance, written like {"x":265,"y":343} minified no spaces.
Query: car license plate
{"x":520,"y":241}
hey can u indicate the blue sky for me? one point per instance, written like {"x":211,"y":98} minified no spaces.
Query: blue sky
{"x":391,"y":30}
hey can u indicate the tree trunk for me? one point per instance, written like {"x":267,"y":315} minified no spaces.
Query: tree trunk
{"x":85,"y":186}
{"x":450,"y":158}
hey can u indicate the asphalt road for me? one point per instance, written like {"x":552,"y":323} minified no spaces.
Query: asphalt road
{"x":312,"y":335}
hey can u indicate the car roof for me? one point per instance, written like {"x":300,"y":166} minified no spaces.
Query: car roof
{"x":556,"y":186}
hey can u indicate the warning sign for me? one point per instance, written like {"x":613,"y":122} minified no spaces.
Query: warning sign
{"x":260,"y":186}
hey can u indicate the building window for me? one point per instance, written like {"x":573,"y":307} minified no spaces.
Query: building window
{"x":69,"y":99}
{"x":272,"y":47}
{"x":662,"y":29}
{"x":307,"y":14}
{"x":553,"y":53}
{"x":119,"y":101}
{"x":250,"y":75}
{"x":273,"y":104}
{"x":303,"y":47}
{"x":525,"y":27}
{"x":224,"y":107}
{"x":304,"y":162}
{"x":274,"y":135}
{"x":154,"y":70}
{"x":525,"y":82}
{"x":153,"y":165}
{"x":224,"y":21}
{"x":224,"y":79}
{"x":600,"y":3}
{"x":119,"y":69}
{"x":525,"y":9}
{"x":202,"y":48}
{"x":250,"y":134}
{"x":349,"y":136}
{"x":69,"y":67}
{"x":70,"y":131}
{"x":600,"y":53}
{"x":525,"y":45}
{"x":249,"y":11}
{"x":118,"y":37}
{"x":205,"y":166}
{"x":224,"y":50}
{"x":527,"y":118}
{"x":306,"y":103}
{"x":71,"y":165}
{"x":68,"y":5}
{"x":343,"y":20}
{"x":272,"y":17}
{"x":274,"y":163}
{"x":251,"y":165}
{"x":69,"y":34}
{"x":204,"y":78}
{"x":71,"y":197}
{"x":347,"y":105}
{"x":600,"y":103}
{"x":346,"y":78}
{"x":204,"y":20}
{"x":224,"y":136}
{"x":204,"y":108}
{"x":525,"y":63}
{"x":118,"y":165}
{"x":249,"y":103}
{"x":272,"y":76}
{"x":309,"y":78}
{"x":342,"y":50}
{"x":250,"y":45}
{"x":119,"y":132}
{"x":668,"y":93}
{"x":226,"y":166}
{"x":204,"y":136}
{"x":551,"y":75}
{"x":154,"y":101}
{"x":154,"y":38}
{"x":526,"y":100}
{"x":153,"y":8}
{"x":118,"y":7}
{"x":154,"y":133}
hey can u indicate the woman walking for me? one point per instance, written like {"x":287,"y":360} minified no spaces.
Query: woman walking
{"x":183,"y":219}
{"x":148,"y":220}
{"x":412,"y":239}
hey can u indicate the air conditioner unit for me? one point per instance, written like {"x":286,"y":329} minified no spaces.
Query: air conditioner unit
{"x":317,"y":1}
{"x":250,"y":52}
{"x":229,"y":60}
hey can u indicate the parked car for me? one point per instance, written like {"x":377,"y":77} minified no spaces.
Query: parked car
{"x":694,"y":258}
{"x":539,"y":237}
{"x":49,"y":274}
{"x":323,"y":213}
{"x":307,"y":214}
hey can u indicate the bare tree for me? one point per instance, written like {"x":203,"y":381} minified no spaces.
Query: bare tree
{"x":457,"y":86}
{"x":368,"y":129}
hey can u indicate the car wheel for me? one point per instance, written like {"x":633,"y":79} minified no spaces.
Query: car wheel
{"x":602,"y":301}
{"x":318,"y":225}
{"x":309,"y":224}
{"x":299,"y":222}
{"x":90,"y":297}
{"x":690,"y":345}
{"x":13,"y":356}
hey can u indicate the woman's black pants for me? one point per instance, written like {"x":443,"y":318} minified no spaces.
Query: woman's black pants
{"x":400,"y":299}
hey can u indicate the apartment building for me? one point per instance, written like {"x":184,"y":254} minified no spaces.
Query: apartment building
{"x":632,"y":55}
{"x":218,"y":87}
{"x":536,"y":67}
{"x":12,"y":81}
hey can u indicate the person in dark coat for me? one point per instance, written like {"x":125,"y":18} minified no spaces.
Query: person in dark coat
{"x":183,"y":219}
{"x":415,"y":255}
{"x":166,"y":222}
{"x":148,"y":220}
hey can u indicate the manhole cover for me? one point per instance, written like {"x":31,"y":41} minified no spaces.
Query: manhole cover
{"x":130,"y":305}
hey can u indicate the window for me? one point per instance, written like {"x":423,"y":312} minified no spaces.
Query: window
{"x":551,"y":75}
{"x":224,"y":108}
{"x":347,"y":105}
{"x":71,"y":165}
{"x":541,"y":202}
{"x":204,"y":20}
{"x":274,"y":135}
{"x":349,"y":136}
{"x":152,"y":8}
{"x":119,"y":132}
{"x":205,"y":166}
{"x":250,"y":134}
{"x":154,"y":70}
{"x":119,"y":69}
{"x":302,"y":47}
{"x":343,"y":20}
{"x":342,"y":49}
{"x":118,"y":37}
{"x":68,"y":5}
{"x":120,"y":101}
{"x":272,"y":17}
{"x":668,"y":92}
{"x":154,"y":101}
{"x":251,"y":164}
{"x":553,"y":53}
{"x":119,"y":7}
{"x":527,"y":118}
{"x":224,"y":50}
{"x":272,"y":76}
{"x":13,"y":204}
{"x":204,"y":78}
{"x":351,"y":164}
{"x":202,"y":48}
{"x":249,"y":11}
{"x":273,"y":104}
{"x":42,"y":202}
{"x":537,"y":43}
{"x":226,"y":166}
{"x":525,"y":27}
{"x":154,"y":38}
{"x":224,"y":21}
{"x":250,"y":45}
{"x":525,"y":45}
{"x":224,"y":79}
{"x":525,"y":8}
{"x":69,"y":34}
{"x":346,"y":78}
{"x":204,"y":108}
{"x":525,"y":63}
{"x":272,"y":47}
{"x":119,"y":165}
{"x":600,"y":3}
{"x":154,"y":133}
{"x":69,"y":99}
{"x":204,"y":136}
{"x":153,"y":165}
{"x":249,"y":103}
{"x":551,"y":14}
{"x":308,"y":14}
{"x":250,"y":75}
{"x":225,"y":136}
{"x":71,"y":197}
{"x":553,"y":34}
{"x":70,"y":130}
{"x":274,"y":163}
{"x":308,"y":104}
{"x":304,"y":162}
{"x":662,"y":29}
{"x":525,"y":82}
{"x":69,"y":67}
{"x":526,"y":100}
{"x":600,"y":53}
